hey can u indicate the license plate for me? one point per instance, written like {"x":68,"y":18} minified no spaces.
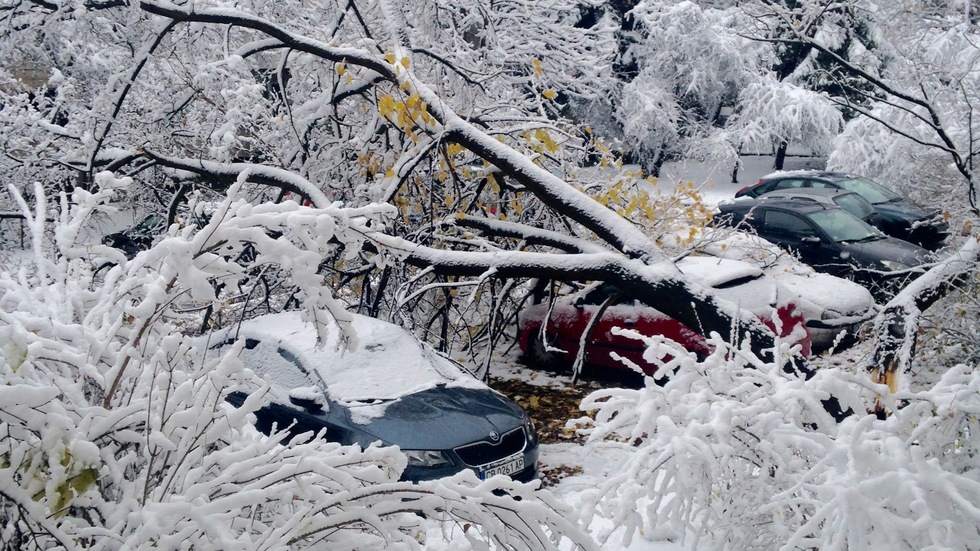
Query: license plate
{"x":507,"y":466}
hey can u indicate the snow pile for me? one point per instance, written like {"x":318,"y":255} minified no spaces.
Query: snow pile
{"x":736,"y":453}
{"x":117,"y":436}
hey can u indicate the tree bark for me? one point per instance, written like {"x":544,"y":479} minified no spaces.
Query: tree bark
{"x":780,"y":155}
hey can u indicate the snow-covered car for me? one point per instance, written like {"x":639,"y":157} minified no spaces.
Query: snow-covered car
{"x":564,"y":323}
{"x":835,"y":309}
{"x":895,"y":215}
{"x":390,"y":389}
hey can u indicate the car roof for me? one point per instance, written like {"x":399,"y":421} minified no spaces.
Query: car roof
{"x":385,"y":363}
{"x":820,"y":174}
{"x":711,"y":271}
{"x":808,"y":192}
{"x":802,"y":207}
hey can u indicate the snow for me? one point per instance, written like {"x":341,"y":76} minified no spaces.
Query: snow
{"x":376,"y":370}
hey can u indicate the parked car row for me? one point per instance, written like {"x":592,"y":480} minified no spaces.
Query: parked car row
{"x":831,"y":240}
{"x":893,"y":214}
{"x":394,"y":390}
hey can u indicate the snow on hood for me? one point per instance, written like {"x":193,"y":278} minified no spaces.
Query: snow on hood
{"x":387,"y":363}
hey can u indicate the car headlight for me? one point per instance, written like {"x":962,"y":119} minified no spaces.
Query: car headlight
{"x":530,"y":430}
{"x":895,"y":265}
{"x":830,"y":315}
{"x":425,"y":458}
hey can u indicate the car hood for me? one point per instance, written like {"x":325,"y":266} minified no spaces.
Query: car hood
{"x":819,"y":292}
{"x":889,"y":248}
{"x":905,"y":209}
{"x":438,"y":418}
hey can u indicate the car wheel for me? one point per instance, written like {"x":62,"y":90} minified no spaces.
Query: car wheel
{"x":539,"y":356}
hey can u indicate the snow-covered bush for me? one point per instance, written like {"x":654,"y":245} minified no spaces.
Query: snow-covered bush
{"x":114,"y":434}
{"x":735,"y":453}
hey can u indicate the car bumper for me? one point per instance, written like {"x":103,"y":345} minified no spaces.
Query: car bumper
{"x":837,"y":333}
{"x":418,"y":474}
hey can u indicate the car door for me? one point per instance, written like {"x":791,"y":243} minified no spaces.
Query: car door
{"x":797,"y":234}
{"x":626,"y":313}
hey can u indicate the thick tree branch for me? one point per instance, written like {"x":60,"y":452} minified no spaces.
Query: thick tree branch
{"x":219,"y":176}
{"x":550,"y":189}
{"x":896,"y":327}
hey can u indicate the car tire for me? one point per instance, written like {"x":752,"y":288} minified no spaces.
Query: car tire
{"x":538,"y":356}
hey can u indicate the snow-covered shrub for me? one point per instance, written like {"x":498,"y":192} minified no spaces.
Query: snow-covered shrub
{"x":114,"y":434}
{"x":737,"y":453}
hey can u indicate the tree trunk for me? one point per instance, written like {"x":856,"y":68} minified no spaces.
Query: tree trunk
{"x":780,"y":155}
{"x":658,"y":163}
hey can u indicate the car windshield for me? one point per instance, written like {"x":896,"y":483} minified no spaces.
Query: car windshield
{"x":149,"y":223}
{"x":841,"y":225}
{"x":854,"y":204}
{"x":872,"y":191}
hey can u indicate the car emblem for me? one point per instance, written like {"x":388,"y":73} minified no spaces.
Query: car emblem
{"x":494,"y":435}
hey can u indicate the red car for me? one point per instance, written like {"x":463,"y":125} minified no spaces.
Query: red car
{"x":732,"y":280}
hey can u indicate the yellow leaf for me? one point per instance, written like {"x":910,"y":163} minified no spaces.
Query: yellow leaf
{"x":341,"y":69}
{"x":390,"y":58}
{"x":537,"y":66}
{"x":549,"y":94}
{"x":406,"y":62}
{"x":386,"y":105}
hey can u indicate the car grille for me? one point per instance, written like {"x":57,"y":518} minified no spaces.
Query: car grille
{"x":481,"y":453}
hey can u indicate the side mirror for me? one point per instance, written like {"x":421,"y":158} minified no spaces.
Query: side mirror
{"x":579,"y":302}
{"x":309,"y":398}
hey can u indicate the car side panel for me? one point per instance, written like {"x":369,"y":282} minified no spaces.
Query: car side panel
{"x":569,"y":322}
{"x":772,"y":225}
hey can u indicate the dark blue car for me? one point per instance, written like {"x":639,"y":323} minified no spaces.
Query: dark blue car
{"x":388,"y":388}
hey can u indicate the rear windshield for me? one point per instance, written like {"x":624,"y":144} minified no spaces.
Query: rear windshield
{"x":872,"y":191}
{"x":855,"y":204}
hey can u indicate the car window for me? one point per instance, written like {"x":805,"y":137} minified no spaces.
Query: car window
{"x":844,"y":226}
{"x":789,"y":183}
{"x":872,"y":191}
{"x":787,"y":224}
{"x":817,"y":184}
{"x":149,"y":223}
{"x":854,"y":204}
{"x":276,"y":365}
{"x":599,"y":295}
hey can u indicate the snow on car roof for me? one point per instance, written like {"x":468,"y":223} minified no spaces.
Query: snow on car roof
{"x":712,"y":271}
{"x":387,"y":362}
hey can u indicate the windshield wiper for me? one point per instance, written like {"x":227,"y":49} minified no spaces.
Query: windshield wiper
{"x":865,"y":239}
